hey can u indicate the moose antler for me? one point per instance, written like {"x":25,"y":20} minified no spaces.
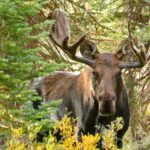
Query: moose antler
{"x":140,"y":53}
{"x":60,"y":36}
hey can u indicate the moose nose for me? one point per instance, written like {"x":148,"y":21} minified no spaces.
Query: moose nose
{"x":107,"y":104}
{"x":107,"y":97}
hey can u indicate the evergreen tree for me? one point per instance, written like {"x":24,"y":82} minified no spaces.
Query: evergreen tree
{"x":20,"y":62}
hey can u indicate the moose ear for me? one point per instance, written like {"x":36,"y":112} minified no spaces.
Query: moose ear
{"x":121,"y":52}
{"x":88,"y":49}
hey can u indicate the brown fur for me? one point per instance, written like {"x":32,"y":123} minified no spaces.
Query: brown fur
{"x":56,"y":86}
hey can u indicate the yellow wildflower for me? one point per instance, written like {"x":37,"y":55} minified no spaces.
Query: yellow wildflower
{"x":90,"y":141}
{"x":17,"y":132}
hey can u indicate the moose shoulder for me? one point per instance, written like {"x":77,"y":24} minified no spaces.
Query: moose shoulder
{"x":97,"y":95}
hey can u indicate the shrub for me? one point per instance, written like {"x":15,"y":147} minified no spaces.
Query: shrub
{"x":24,"y":138}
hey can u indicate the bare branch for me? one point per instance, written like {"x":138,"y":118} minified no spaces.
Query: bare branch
{"x":129,"y":21}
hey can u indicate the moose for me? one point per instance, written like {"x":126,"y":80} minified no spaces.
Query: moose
{"x":97,"y":95}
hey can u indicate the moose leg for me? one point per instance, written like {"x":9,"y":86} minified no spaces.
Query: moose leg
{"x":80,"y":127}
{"x":80,"y":117}
{"x":78,"y":134}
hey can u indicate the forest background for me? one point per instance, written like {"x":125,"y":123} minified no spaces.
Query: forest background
{"x":27,"y":52}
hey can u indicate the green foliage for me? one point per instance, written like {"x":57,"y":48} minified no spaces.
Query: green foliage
{"x":22,"y":24}
{"x":19,"y":63}
{"x":31,"y":122}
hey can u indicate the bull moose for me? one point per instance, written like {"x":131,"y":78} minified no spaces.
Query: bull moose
{"x":97,"y":95}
